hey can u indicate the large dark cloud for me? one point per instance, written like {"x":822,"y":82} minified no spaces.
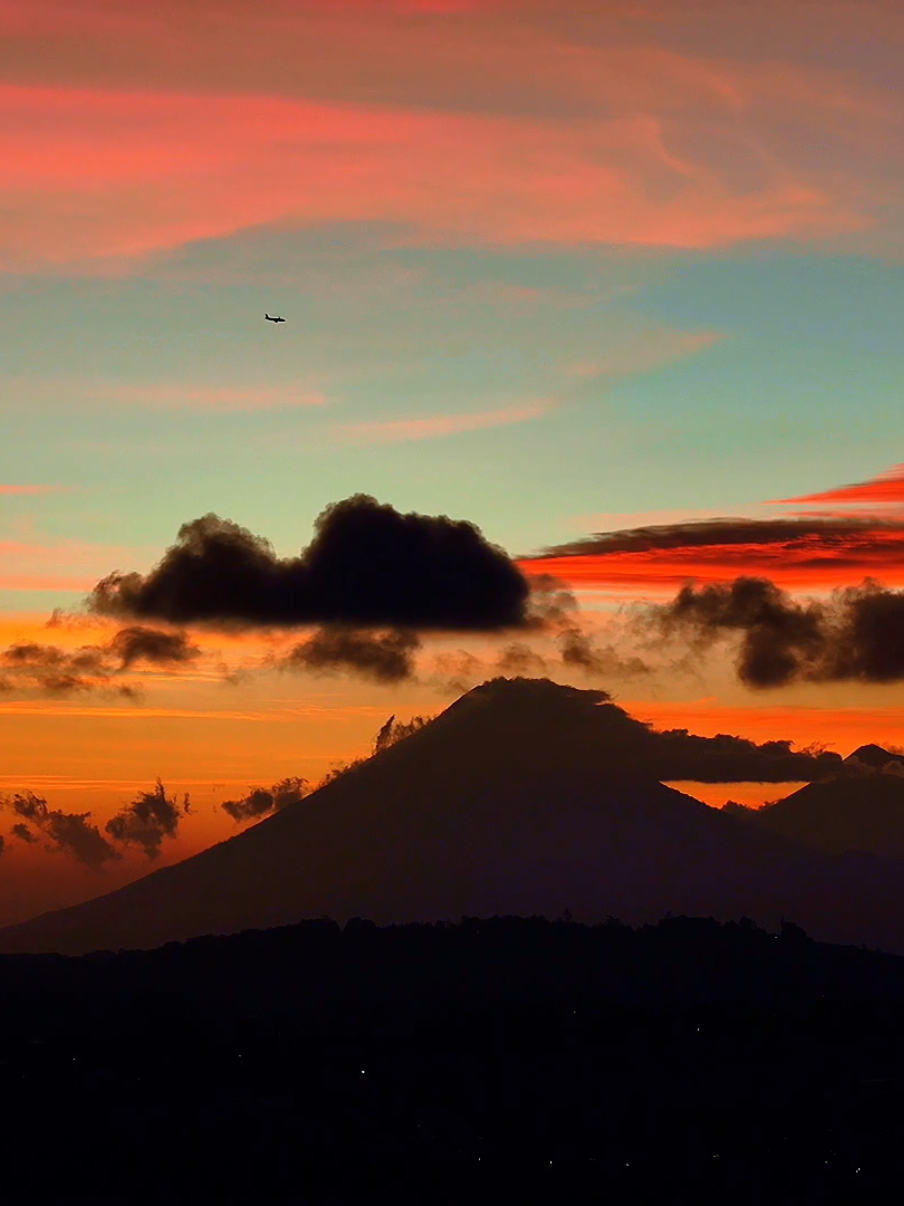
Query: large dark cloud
{"x":856,"y":635}
{"x":152,"y":816}
{"x":368,"y":566}
{"x":69,"y":832}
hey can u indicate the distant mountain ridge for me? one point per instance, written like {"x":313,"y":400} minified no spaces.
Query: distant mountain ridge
{"x":522,"y":798}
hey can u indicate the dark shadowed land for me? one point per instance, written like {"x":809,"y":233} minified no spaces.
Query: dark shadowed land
{"x":692,"y":1061}
{"x":508,"y":1059}
{"x":522,"y":798}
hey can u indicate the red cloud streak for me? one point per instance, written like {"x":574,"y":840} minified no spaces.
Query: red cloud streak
{"x":887,"y":489}
{"x":796,"y":557}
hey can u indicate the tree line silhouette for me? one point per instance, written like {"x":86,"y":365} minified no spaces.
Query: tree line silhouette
{"x":683,"y":1062}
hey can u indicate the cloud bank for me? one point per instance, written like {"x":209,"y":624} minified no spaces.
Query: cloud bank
{"x":855,"y":636}
{"x":804,"y":551}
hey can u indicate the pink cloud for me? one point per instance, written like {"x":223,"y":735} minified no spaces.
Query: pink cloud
{"x":10,"y":489}
{"x":89,"y":173}
{"x":133,"y":127}
{"x":398,"y":430}
{"x":213,"y":398}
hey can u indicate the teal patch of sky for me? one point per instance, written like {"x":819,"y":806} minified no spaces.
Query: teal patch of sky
{"x":386,"y":333}
{"x":804,"y":390}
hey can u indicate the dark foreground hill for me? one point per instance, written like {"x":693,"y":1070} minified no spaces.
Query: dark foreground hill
{"x":524,"y":798}
{"x":500,"y":1060}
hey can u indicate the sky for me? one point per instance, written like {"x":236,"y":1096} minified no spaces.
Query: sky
{"x":562,"y":270}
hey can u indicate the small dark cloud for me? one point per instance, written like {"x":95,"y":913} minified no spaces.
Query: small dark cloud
{"x":579,"y":651}
{"x":386,"y":657}
{"x":368,"y":566}
{"x":519,"y":659}
{"x":151,"y":817}
{"x":856,"y":635}
{"x":75,"y":833}
{"x":69,"y":832}
{"x":554,"y":608}
{"x":50,"y":670}
{"x":151,"y":645}
{"x":261,"y":801}
{"x":24,"y":834}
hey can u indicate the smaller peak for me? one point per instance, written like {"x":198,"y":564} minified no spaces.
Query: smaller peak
{"x":871,"y":755}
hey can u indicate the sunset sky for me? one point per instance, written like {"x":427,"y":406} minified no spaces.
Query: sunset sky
{"x":563,"y":269}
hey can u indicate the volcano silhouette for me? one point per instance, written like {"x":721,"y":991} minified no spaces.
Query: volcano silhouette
{"x":522,"y":798}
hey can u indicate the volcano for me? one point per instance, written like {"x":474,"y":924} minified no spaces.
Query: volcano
{"x":522,"y":798}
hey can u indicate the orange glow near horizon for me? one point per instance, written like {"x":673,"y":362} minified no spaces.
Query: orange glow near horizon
{"x":838,"y":728}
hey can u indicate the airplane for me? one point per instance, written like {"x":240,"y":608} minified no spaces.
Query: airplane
{"x":270,"y":318}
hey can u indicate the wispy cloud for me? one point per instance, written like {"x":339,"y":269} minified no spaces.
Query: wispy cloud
{"x":885,"y":491}
{"x":642,"y":351}
{"x":214,"y":398}
{"x":394,"y":431}
{"x":158,"y":395}
{"x":11,"y":489}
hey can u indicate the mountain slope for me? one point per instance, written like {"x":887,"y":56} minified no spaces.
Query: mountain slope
{"x":522,"y":798}
{"x":864,"y":812}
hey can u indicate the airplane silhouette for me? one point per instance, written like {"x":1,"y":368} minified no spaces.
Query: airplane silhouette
{"x":270,"y":318}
